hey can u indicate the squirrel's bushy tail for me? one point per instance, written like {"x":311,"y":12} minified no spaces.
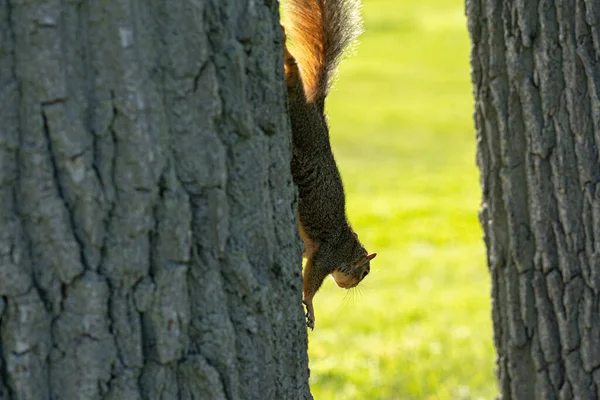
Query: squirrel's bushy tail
{"x":320,"y":31}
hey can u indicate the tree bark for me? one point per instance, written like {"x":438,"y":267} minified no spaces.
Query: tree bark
{"x":148,"y":237}
{"x":537,"y":113}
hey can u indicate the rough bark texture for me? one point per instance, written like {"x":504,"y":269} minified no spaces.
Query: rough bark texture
{"x":536,"y":81}
{"x":148,"y":244}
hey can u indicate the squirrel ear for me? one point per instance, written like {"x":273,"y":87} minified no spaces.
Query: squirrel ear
{"x":371,"y":256}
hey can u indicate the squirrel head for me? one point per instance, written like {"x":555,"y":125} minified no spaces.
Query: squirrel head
{"x":350,"y":274}
{"x":355,"y":273}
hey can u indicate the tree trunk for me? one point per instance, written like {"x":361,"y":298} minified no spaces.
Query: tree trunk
{"x":537,"y":111}
{"x":148,"y":237}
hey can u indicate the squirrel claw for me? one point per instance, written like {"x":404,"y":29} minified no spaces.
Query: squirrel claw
{"x":310,"y":314}
{"x":310,"y":323}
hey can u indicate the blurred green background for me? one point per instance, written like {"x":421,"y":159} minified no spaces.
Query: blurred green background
{"x":419,"y":326}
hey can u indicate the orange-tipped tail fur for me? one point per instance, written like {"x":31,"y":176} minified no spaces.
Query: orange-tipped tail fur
{"x":320,"y":32}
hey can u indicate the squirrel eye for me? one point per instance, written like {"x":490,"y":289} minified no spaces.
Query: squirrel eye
{"x":365,"y":273}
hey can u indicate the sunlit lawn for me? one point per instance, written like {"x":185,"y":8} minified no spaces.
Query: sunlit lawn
{"x":419,"y":326}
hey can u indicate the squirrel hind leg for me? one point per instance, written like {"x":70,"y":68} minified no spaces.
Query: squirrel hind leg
{"x":292,"y":73}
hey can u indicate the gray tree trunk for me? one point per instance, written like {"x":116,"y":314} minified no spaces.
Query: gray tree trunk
{"x":148,"y":244}
{"x":536,"y":76}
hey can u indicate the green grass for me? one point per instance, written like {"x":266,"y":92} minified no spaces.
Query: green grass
{"x":419,"y":326}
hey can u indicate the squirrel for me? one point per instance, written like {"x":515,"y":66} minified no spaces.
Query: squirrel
{"x":320,"y":30}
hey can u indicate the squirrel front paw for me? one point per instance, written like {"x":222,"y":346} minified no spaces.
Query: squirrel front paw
{"x":310,"y":314}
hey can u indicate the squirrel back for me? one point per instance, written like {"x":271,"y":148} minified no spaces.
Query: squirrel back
{"x":321,"y":31}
